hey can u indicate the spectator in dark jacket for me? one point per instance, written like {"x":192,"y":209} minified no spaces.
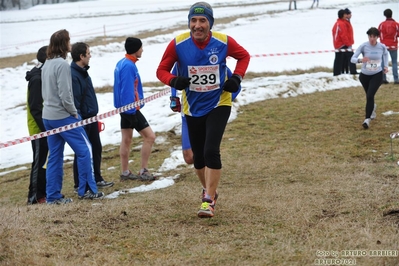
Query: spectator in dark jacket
{"x":86,"y":103}
{"x":37,"y":184}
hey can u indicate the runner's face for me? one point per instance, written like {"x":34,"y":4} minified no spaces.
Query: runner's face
{"x":86,"y":58}
{"x":200,"y":28}
{"x":373,"y":39}
{"x":139,"y":52}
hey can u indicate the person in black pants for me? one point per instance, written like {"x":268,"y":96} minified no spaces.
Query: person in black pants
{"x":341,"y":42}
{"x":86,"y":103}
{"x":289,"y":6}
{"x":199,"y":56}
{"x":374,"y":65}
{"x":349,"y":67}
{"x":37,"y":185}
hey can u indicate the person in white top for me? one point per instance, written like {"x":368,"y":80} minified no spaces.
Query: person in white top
{"x":374,"y":55}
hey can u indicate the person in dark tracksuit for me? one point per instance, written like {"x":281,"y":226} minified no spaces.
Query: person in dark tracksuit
{"x":37,"y":184}
{"x":87,"y":106}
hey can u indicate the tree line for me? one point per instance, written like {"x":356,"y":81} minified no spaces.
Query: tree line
{"x":23,"y":4}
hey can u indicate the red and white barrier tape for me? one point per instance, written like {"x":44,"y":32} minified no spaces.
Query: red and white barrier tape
{"x":85,"y":121}
{"x":295,"y":53}
{"x":292,"y":53}
{"x":307,"y":52}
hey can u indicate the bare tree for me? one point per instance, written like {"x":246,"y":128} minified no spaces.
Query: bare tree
{"x":16,"y":3}
{"x":37,"y":2}
{"x":7,"y":4}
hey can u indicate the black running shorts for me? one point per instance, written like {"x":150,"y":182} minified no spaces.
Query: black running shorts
{"x":136,"y":121}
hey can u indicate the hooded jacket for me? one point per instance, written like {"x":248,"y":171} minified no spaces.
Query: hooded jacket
{"x":35,"y":100}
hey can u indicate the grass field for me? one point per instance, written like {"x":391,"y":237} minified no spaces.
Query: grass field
{"x":302,"y":180}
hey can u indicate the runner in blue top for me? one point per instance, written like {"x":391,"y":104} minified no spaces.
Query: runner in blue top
{"x":374,"y":53}
{"x":128,"y":89}
{"x":175,"y":105}
{"x":202,"y":77}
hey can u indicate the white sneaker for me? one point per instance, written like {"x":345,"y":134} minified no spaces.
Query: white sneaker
{"x":366,"y":123}
{"x":374,"y":114}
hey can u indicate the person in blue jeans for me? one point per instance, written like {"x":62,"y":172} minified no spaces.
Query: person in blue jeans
{"x":59,"y":110}
{"x":389,"y":34}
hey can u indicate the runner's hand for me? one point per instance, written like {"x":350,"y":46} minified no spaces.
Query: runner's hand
{"x":180,"y":83}
{"x":232,"y":84}
{"x":175,"y":104}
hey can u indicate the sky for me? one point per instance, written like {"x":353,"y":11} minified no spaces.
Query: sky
{"x":266,"y":30}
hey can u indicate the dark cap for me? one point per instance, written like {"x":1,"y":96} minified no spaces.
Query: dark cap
{"x":201,"y":9}
{"x":132,"y":45}
{"x":42,"y":54}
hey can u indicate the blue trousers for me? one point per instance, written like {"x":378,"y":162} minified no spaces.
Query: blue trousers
{"x":394,"y":58}
{"x":185,"y":140}
{"x":97,"y":148}
{"x":79,"y":142}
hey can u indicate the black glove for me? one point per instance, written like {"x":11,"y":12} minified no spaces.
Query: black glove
{"x":232,"y":84}
{"x":180,"y":83}
{"x":175,"y":104}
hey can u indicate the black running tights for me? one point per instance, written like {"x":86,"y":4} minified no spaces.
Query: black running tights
{"x":371,"y":84}
{"x":206,"y":134}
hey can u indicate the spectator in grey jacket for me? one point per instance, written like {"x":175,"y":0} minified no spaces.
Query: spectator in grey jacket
{"x":59,"y":110}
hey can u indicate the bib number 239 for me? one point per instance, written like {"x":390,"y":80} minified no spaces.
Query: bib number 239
{"x":204,"y":78}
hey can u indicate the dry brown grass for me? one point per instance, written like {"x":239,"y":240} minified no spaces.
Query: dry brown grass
{"x":300,"y":175}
